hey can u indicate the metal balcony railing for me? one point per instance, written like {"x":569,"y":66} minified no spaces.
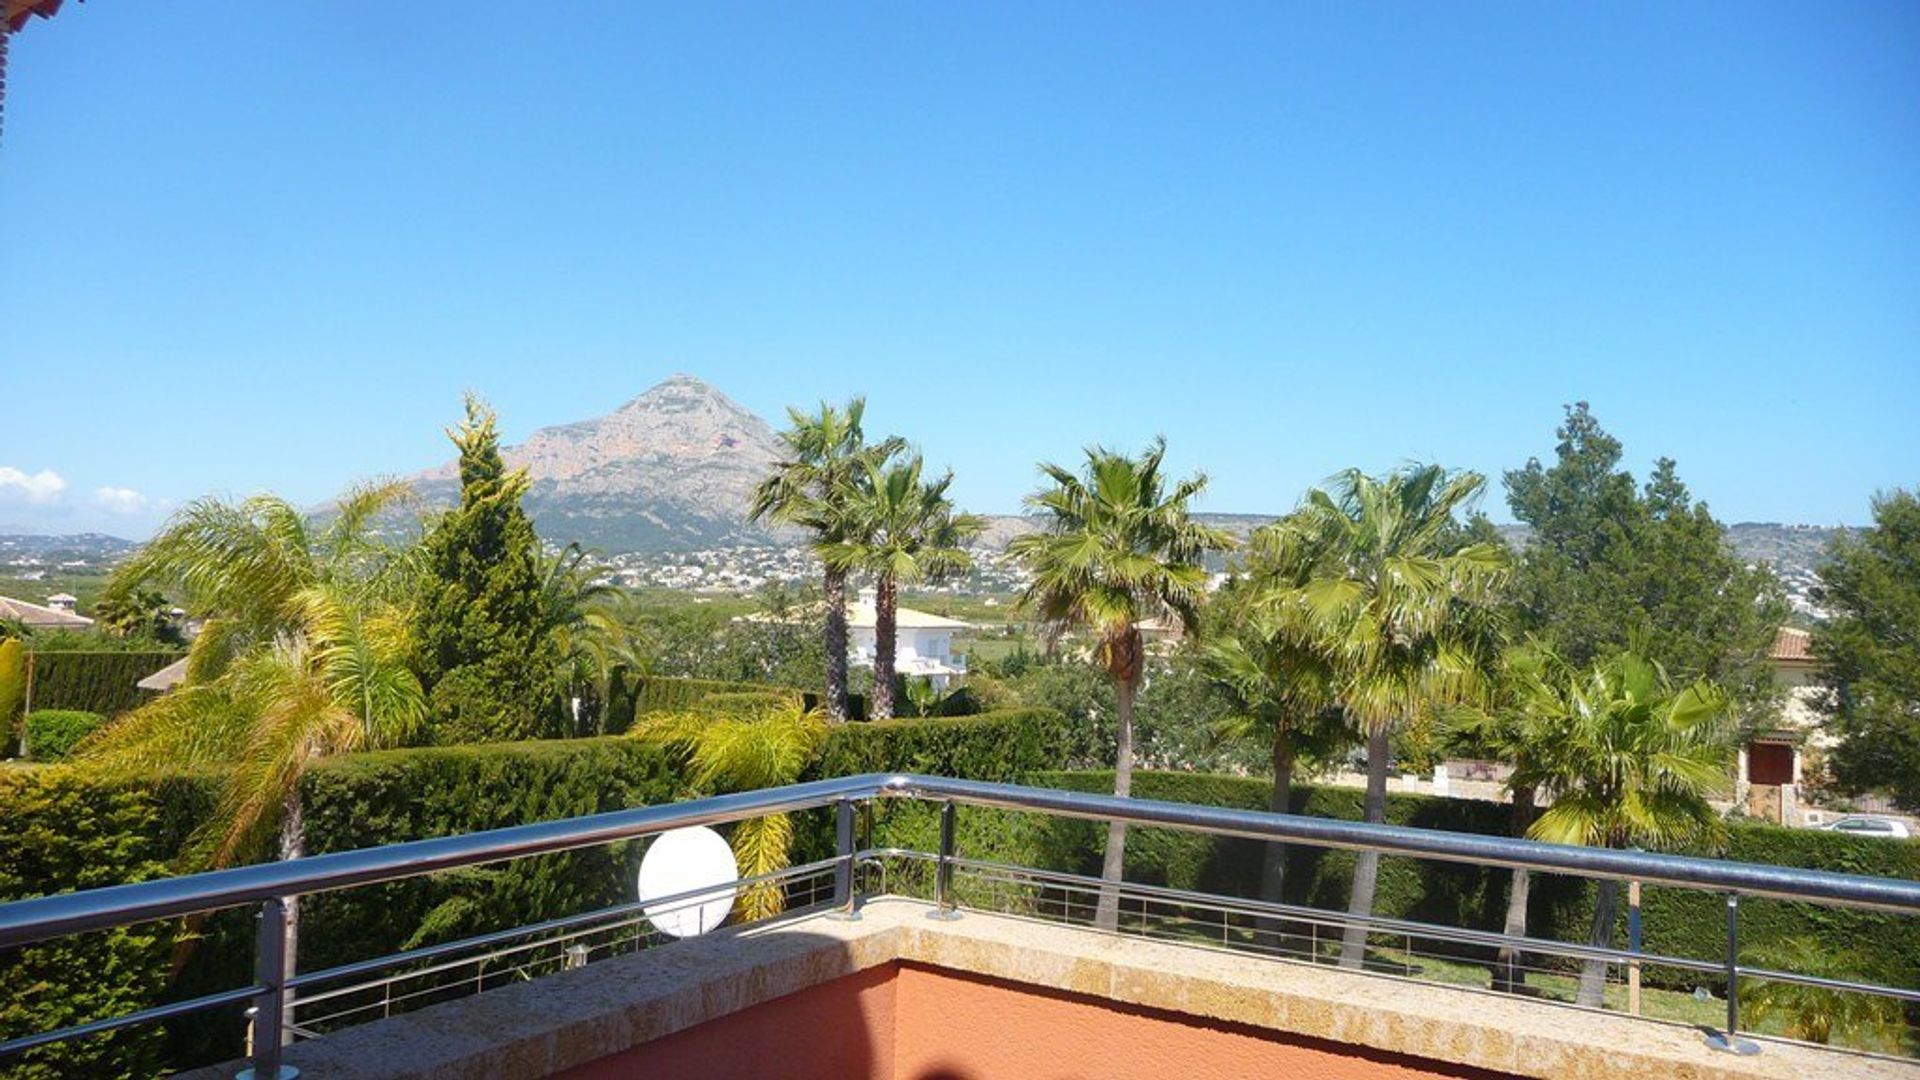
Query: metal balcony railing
{"x":374,"y":987}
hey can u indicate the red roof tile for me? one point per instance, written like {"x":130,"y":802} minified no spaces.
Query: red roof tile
{"x":1791,"y":644}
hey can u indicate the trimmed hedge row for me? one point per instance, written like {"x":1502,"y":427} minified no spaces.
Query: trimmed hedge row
{"x":365,"y":800}
{"x":63,"y":828}
{"x":99,"y":682}
{"x":1678,"y":922}
{"x":51,"y":733}
{"x":655,"y":694}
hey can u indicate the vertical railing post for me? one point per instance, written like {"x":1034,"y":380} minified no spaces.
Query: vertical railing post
{"x":944,"y":906}
{"x":270,"y":1005}
{"x":1633,"y":946}
{"x":1730,"y":1040}
{"x":846,"y":899}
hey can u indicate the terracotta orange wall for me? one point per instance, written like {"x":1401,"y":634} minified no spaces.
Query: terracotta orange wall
{"x":907,"y":1022}
{"x":959,"y":1027}
{"x":842,"y":1030}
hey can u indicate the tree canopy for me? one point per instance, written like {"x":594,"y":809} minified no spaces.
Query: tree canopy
{"x":1869,"y":651}
{"x":1613,"y":565}
{"x":483,"y":646}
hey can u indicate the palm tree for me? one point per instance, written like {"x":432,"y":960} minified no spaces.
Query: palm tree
{"x":303,"y":655}
{"x":1386,"y":598}
{"x":906,"y":531}
{"x":1119,"y":547}
{"x":583,"y":616}
{"x":1277,"y":683}
{"x":826,"y":453}
{"x":766,"y":746}
{"x":335,"y":680}
{"x":242,"y":566}
{"x":1816,"y":1013}
{"x":1629,"y":760}
{"x":1513,"y":725}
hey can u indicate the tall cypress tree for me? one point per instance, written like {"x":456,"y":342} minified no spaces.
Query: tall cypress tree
{"x":484,"y":657}
{"x":1613,"y":564}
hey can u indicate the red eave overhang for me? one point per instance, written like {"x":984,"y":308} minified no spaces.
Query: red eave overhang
{"x":18,"y":11}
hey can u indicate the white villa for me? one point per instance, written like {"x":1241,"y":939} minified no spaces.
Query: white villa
{"x":924,"y":646}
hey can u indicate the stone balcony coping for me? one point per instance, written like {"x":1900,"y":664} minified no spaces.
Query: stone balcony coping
{"x":538,"y":1028}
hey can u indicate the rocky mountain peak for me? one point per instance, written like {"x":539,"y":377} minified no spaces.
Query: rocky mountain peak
{"x":673,"y":468}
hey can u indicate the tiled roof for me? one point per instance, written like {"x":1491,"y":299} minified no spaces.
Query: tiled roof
{"x":39,"y":617}
{"x":1792,"y":645}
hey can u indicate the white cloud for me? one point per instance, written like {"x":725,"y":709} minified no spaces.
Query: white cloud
{"x":38,"y":488}
{"x":121,"y":500}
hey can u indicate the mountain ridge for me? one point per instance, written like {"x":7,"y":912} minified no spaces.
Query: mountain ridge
{"x":671,"y":469}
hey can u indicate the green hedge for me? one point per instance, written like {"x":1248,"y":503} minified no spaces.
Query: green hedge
{"x":366,"y":800}
{"x":658,"y":694}
{"x":100,"y":682}
{"x":61,"y":830}
{"x":1009,"y":745}
{"x":1679,"y":922}
{"x":51,"y":733}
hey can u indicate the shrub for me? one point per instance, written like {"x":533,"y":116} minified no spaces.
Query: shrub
{"x":1009,"y":746}
{"x":366,"y":800}
{"x":104,"y":682}
{"x":1676,"y":922}
{"x":63,"y":829}
{"x":664,"y":694}
{"x":52,"y":733}
{"x":746,"y":701}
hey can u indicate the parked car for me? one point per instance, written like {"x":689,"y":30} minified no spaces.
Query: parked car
{"x":1856,"y":825}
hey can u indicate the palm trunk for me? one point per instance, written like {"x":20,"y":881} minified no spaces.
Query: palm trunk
{"x":1273,"y":868}
{"x":835,"y":589}
{"x":293,"y":845}
{"x":1509,"y":972}
{"x":886,"y":616}
{"x":1366,"y":864}
{"x":1593,"y":973}
{"x":1106,"y":915}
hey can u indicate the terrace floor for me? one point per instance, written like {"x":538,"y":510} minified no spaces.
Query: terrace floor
{"x":895,"y":994}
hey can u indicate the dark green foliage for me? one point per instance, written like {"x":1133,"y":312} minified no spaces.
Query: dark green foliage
{"x":51,"y":733}
{"x":1612,"y":566}
{"x":1870,"y":651}
{"x":708,"y":642}
{"x":1001,"y":745}
{"x":104,"y":682}
{"x":1677,"y":922}
{"x":1008,"y":745}
{"x":659,"y":694}
{"x":483,"y":654}
{"x":365,"y":800}
{"x":749,"y":701}
{"x":61,"y":830}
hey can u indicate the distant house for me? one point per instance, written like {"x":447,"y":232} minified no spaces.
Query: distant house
{"x":56,"y":614}
{"x":1772,"y":761}
{"x":924,"y":642}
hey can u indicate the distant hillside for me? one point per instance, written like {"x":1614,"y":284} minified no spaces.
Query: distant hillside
{"x":671,"y":470}
{"x":1792,"y":550}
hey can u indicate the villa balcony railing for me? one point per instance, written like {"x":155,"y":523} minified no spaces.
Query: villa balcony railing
{"x":315,"y":1003}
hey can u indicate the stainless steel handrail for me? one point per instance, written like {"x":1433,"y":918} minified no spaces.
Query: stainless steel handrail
{"x":26,"y":921}
{"x":269,"y":884}
{"x":1682,"y":871}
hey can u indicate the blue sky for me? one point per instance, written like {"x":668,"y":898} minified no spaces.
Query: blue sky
{"x":266,"y":246}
